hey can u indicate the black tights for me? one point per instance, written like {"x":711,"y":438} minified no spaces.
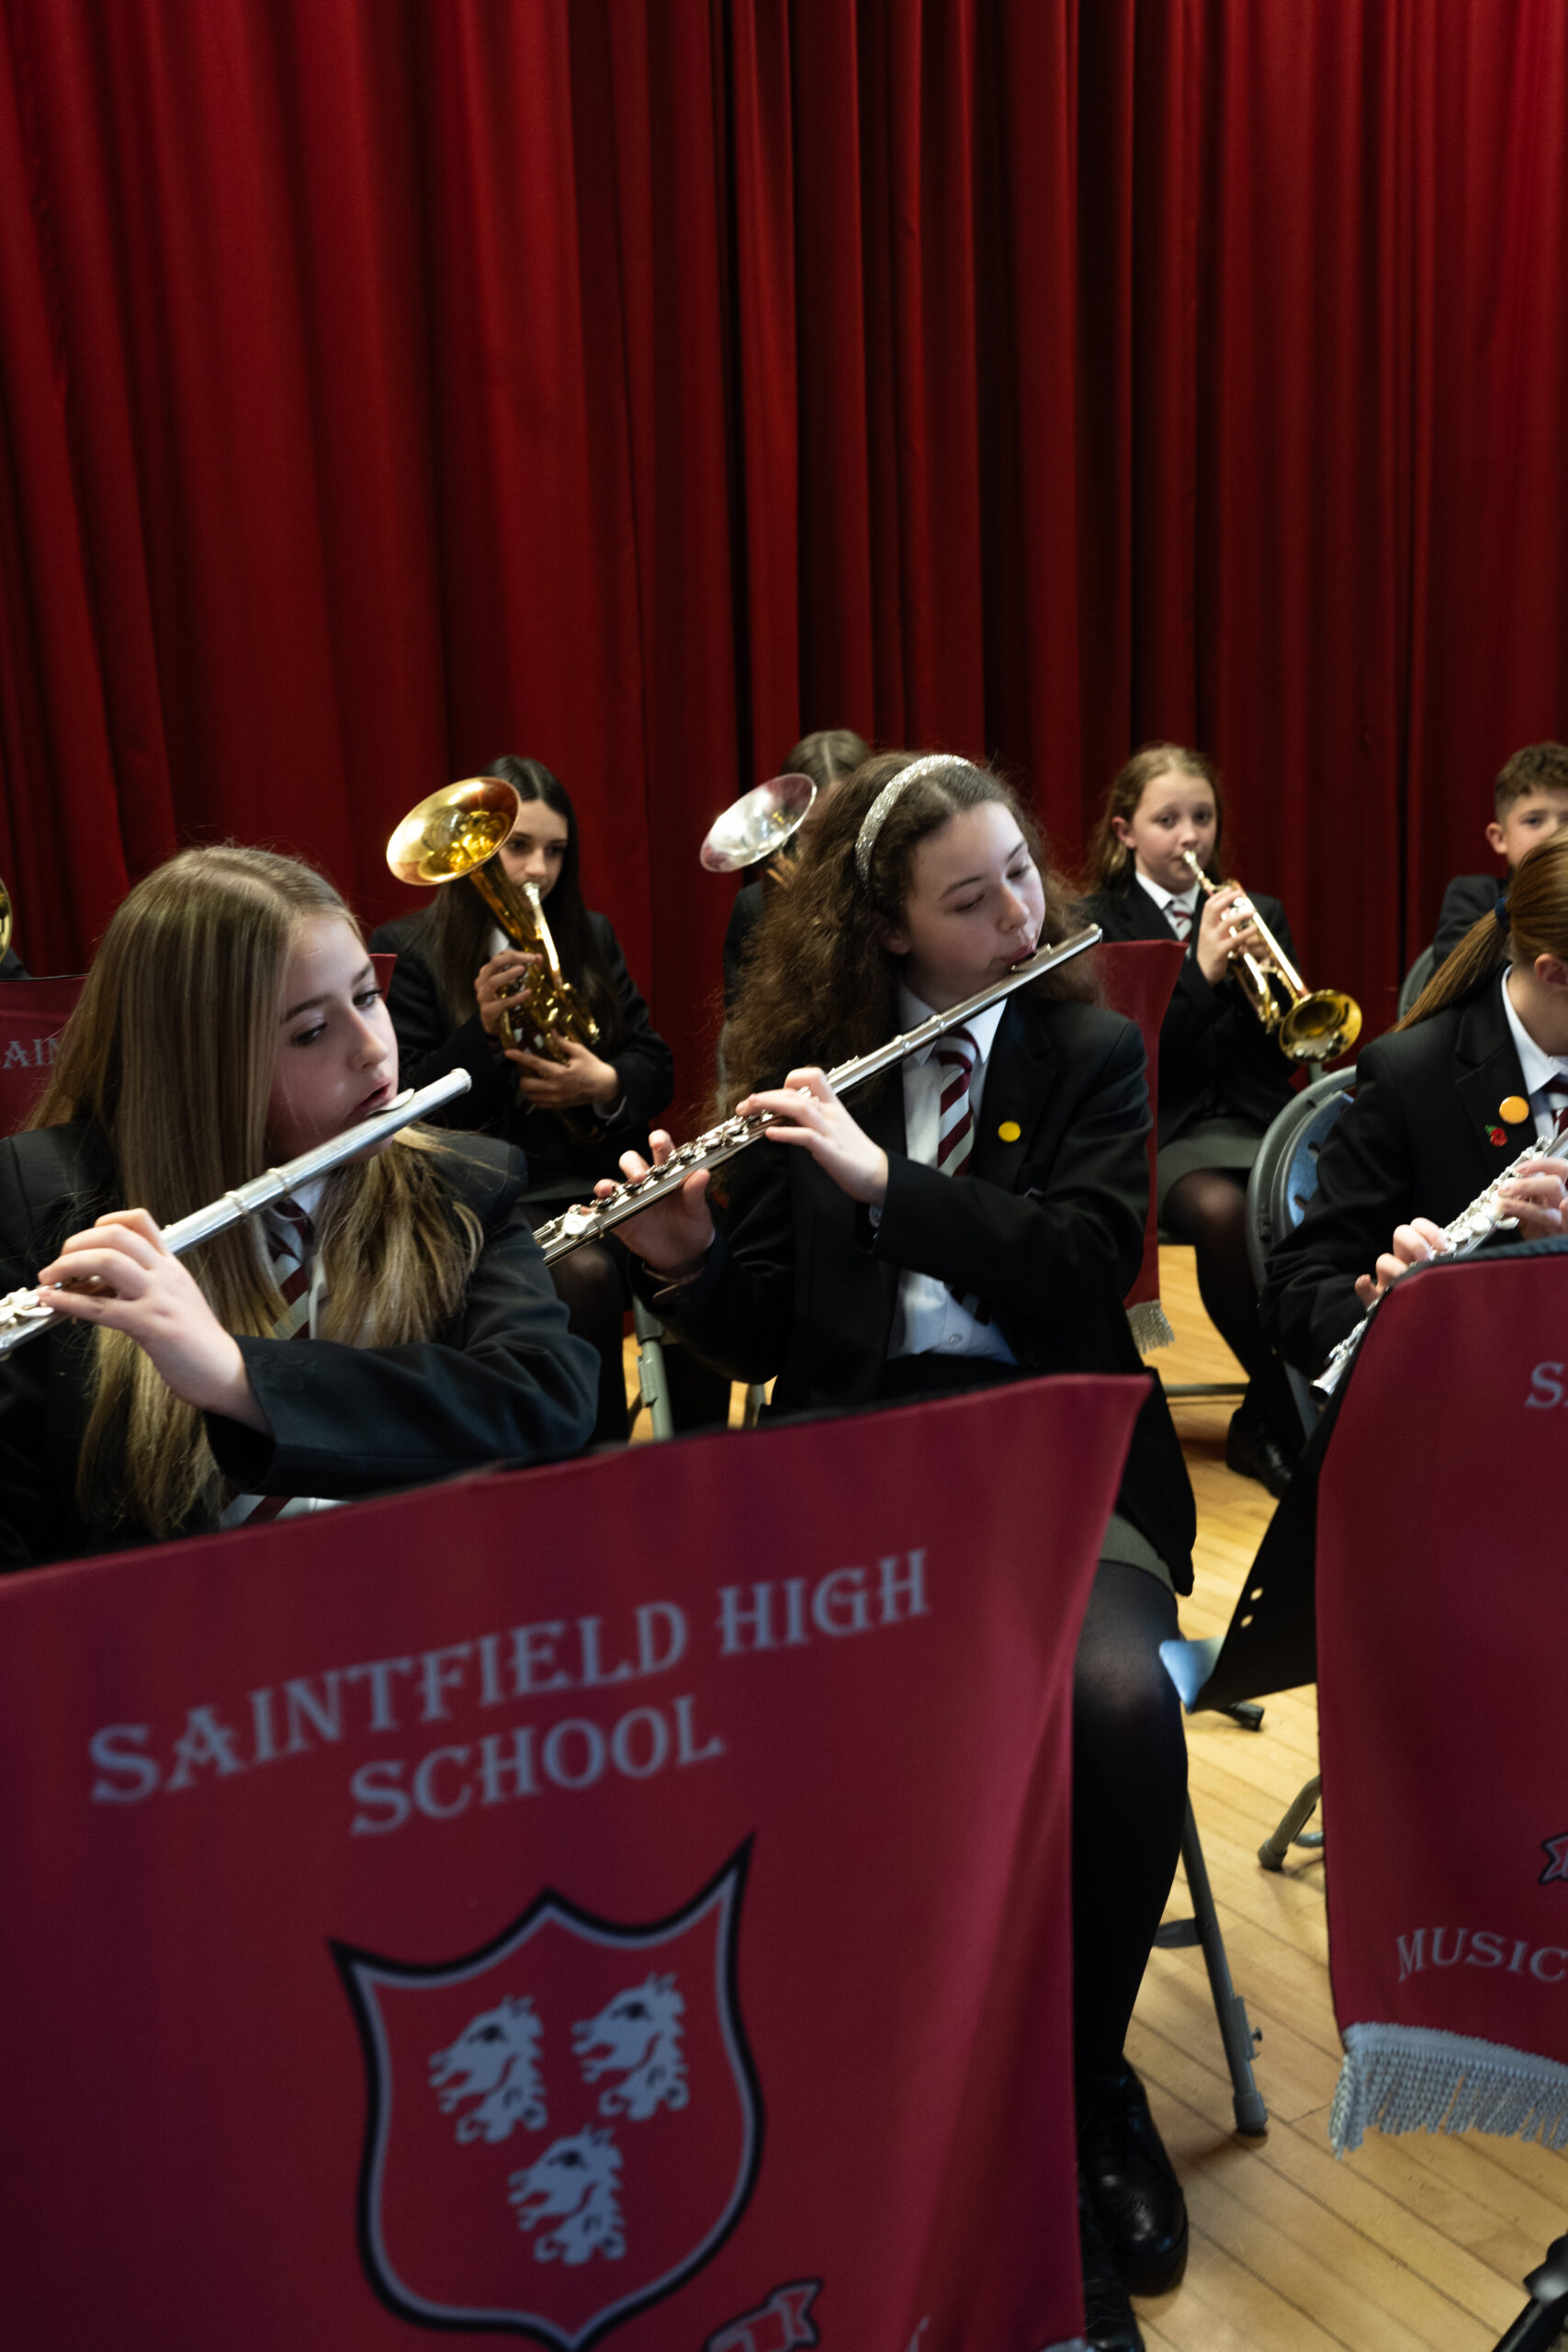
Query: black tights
{"x":590,"y":1281}
{"x":1128,"y":1802}
{"x":594,"y":1285}
{"x":1207,"y":1208}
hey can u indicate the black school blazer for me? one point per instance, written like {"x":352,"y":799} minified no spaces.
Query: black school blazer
{"x":428,"y":1046}
{"x":1048,"y":1229}
{"x":1424,"y":1136}
{"x":1466,"y":899}
{"x":505,"y":1381}
{"x":1214,"y":1053}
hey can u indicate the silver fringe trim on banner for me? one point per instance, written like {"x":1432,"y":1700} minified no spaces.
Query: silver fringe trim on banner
{"x":1151,"y":1328}
{"x":1412,"y":2078}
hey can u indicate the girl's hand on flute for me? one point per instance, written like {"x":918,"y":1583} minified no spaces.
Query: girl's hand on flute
{"x":676,"y":1233}
{"x":1535,"y":1196}
{"x":122,"y":1275}
{"x":807,"y":1112}
{"x":1416,"y":1244}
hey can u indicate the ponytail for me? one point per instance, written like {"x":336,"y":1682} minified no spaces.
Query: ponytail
{"x":1530,"y":919}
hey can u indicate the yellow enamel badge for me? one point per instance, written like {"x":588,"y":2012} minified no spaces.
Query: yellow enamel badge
{"x":1513,"y":1109}
{"x":1010,"y":1131}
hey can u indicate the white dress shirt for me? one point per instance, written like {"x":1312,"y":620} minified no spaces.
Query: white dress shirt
{"x":1184,"y":901}
{"x":1540,"y":1069}
{"x":927,"y":1318}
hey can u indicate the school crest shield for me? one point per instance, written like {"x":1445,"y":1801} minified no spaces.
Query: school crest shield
{"x":562,"y":2127}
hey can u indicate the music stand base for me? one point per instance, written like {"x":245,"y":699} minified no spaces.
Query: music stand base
{"x":1545,"y":2320}
{"x":1274,"y":1848}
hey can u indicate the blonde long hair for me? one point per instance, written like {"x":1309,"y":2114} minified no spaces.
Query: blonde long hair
{"x":1110,"y":863}
{"x":1533,"y":922}
{"x":169,"y":1053}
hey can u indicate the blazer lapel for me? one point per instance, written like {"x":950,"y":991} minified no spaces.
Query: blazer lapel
{"x":1138,"y":917}
{"x":1485,"y":1044}
{"x":1020,"y":1076}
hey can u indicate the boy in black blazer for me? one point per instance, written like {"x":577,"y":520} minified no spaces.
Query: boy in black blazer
{"x":1529,"y":803}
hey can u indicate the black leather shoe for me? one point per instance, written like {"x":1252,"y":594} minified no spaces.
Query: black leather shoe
{"x":1108,"y":2321}
{"x":1254,"y":1451}
{"x":1136,"y":2194}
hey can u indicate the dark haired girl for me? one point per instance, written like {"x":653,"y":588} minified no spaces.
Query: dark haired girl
{"x":1221,"y":1078}
{"x":573,"y":1117}
{"x":851,"y":1261}
{"x":827,"y":757}
{"x":1476,"y":1072}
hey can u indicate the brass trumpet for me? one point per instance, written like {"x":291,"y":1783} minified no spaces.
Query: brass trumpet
{"x":1307,"y":1024}
{"x":456,"y":833}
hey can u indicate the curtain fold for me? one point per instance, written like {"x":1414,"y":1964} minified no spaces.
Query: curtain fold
{"x":638,"y":383}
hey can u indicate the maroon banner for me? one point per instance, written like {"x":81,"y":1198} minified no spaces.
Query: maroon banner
{"x":1442,"y":1623}
{"x":620,"y":1902}
{"x":32,"y":1014}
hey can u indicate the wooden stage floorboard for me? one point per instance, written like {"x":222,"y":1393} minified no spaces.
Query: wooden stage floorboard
{"x":1414,"y":2244}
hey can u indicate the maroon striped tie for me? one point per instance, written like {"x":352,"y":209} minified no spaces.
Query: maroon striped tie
{"x":955,"y":1053}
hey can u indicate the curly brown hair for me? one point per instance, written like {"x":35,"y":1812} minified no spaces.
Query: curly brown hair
{"x":819,"y":985}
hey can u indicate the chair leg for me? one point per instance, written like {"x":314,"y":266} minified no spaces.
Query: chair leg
{"x":1274,"y":1848}
{"x":653,"y":1388}
{"x":1229,"y":2010}
{"x":1545,"y":2320}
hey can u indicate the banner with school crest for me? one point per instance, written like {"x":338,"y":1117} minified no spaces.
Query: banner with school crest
{"x":622,"y":1903}
{"x":1442,"y":1615}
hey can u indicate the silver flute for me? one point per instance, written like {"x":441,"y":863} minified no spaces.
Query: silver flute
{"x":1474,"y":1225}
{"x":23,"y":1314}
{"x":577,"y":1226}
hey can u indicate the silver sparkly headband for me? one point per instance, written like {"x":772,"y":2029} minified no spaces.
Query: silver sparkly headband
{"x":877,"y":816}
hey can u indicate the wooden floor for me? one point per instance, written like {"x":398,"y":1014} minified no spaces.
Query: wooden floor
{"x":1422,"y":2241}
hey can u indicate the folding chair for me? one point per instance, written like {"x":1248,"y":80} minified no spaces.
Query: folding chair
{"x":1283,"y":1179}
{"x":1416,"y":978}
{"x":1229,"y":2010}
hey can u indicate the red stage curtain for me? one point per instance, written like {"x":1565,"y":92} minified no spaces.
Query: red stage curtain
{"x":636,"y":383}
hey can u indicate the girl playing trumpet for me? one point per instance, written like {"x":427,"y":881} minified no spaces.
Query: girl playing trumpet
{"x":398,"y":1325}
{"x":450,"y":990}
{"x":1221,"y":1078}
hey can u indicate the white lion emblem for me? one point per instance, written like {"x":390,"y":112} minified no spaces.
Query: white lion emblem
{"x":573,"y":2186}
{"x":495,"y":2058}
{"x":637,"y":2036}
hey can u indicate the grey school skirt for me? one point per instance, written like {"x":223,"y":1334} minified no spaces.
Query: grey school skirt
{"x":1222,"y":1142}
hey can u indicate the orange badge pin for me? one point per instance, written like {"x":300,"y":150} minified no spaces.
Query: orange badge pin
{"x":1513,"y":1109}
{"x":1010,"y":1131}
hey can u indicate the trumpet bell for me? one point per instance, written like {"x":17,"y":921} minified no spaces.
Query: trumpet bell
{"x":757,"y":824}
{"x":1320,"y":1027}
{"x":454,"y":830}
